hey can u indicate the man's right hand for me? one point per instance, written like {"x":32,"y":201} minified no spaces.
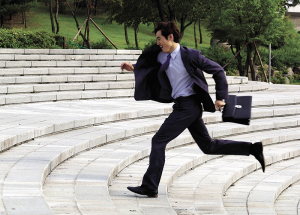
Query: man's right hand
{"x":127,"y":66}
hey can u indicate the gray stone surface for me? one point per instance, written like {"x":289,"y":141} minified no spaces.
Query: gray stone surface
{"x":14,"y":64}
{"x":48,"y":135}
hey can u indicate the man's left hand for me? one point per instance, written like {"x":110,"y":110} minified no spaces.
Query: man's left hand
{"x":219,"y":104}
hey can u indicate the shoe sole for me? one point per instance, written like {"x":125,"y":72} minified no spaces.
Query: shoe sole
{"x":152,"y":195}
{"x":262,"y":150}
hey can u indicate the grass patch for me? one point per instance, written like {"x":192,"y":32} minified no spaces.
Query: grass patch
{"x":39,"y":19}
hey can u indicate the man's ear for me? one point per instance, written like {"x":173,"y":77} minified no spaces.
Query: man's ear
{"x":171,"y":37}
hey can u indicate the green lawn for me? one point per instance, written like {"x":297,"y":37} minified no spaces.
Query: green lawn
{"x":39,"y":19}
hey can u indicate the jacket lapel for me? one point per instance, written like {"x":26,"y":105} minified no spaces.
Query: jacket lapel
{"x":185,"y":60}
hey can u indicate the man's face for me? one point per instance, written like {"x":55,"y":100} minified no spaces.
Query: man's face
{"x":165,"y":44}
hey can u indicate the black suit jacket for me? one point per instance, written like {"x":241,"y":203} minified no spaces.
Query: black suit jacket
{"x":152,"y":84}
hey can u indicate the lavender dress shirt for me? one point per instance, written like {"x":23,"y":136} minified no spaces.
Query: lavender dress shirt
{"x":180,"y":80}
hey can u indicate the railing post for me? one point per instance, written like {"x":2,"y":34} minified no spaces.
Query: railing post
{"x":64,"y":42}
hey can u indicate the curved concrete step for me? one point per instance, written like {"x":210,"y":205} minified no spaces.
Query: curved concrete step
{"x":205,"y":195}
{"x":17,"y":72}
{"x":69,"y":122}
{"x":60,"y":64}
{"x":54,"y":79}
{"x":47,"y":79}
{"x":104,"y":167}
{"x":50,"y":151}
{"x":103,"y":82}
{"x":88,"y":183}
{"x":26,"y":122}
{"x":288,"y":201}
{"x":61,"y":57}
{"x":81,"y":93}
{"x":260,"y":196}
{"x":69,"y":51}
{"x":27,"y":171}
{"x":256,"y":192}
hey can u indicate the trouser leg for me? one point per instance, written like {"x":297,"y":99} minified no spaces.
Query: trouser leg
{"x":201,"y":136}
{"x":184,"y":113}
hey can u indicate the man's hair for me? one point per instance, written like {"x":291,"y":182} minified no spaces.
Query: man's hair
{"x":168,"y":28}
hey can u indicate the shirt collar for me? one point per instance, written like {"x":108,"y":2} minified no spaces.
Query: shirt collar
{"x":175,"y":52}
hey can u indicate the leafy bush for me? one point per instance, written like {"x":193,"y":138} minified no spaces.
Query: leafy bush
{"x":285,"y":57}
{"x":278,"y":79}
{"x":295,"y":79}
{"x":221,"y":56}
{"x":149,"y":44}
{"x":231,"y":72}
{"x":103,"y":44}
{"x":18,"y":38}
{"x":131,"y":47}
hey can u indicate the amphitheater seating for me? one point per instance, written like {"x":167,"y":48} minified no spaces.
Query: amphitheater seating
{"x":73,"y":138}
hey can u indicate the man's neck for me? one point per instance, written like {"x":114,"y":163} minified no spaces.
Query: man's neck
{"x":173,"y":47}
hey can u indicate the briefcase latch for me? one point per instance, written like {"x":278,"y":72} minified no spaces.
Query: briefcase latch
{"x":238,"y":106}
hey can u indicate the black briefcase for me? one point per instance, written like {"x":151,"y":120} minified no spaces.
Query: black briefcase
{"x":237,"y":109}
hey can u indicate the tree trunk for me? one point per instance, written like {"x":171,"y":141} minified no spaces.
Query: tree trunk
{"x":126,"y":34}
{"x":95,"y":7}
{"x":160,"y":10}
{"x":51,"y":16}
{"x":76,"y":21}
{"x":200,"y":31}
{"x":56,"y":20}
{"x":136,"y":37}
{"x":183,"y":27}
{"x":88,"y":26}
{"x":250,"y":61}
{"x":246,"y":69}
{"x":171,"y":12}
{"x":25,"y":21}
{"x":255,"y":57}
{"x":195,"y":35}
{"x":239,"y":58}
{"x":2,"y":20}
{"x":83,"y":44}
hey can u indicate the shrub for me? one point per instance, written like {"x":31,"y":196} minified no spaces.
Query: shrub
{"x":103,"y":44}
{"x":231,"y":72}
{"x":149,"y":44}
{"x":278,"y":79}
{"x":18,"y":38}
{"x":221,"y":56}
{"x":295,"y":79}
{"x":131,"y":47}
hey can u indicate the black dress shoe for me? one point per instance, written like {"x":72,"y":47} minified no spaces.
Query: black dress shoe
{"x":142,"y":191}
{"x":257,"y":151}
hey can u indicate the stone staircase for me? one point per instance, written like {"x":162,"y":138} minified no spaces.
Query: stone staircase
{"x":78,"y":154}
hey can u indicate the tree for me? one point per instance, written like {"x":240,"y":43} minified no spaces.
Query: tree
{"x":182,"y":11}
{"x":51,"y":16}
{"x":10,"y":7}
{"x":76,"y":2}
{"x":131,"y":13}
{"x":56,"y":19}
{"x":241,"y":21}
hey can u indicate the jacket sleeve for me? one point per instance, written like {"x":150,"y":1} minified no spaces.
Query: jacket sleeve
{"x":218,"y":73}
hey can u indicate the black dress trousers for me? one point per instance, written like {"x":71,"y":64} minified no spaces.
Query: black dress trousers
{"x":187,"y":113}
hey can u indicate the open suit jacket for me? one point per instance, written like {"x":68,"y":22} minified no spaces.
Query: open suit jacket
{"x":153,"y":84}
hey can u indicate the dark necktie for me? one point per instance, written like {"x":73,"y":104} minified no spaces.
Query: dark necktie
{"x":165,"y":65}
